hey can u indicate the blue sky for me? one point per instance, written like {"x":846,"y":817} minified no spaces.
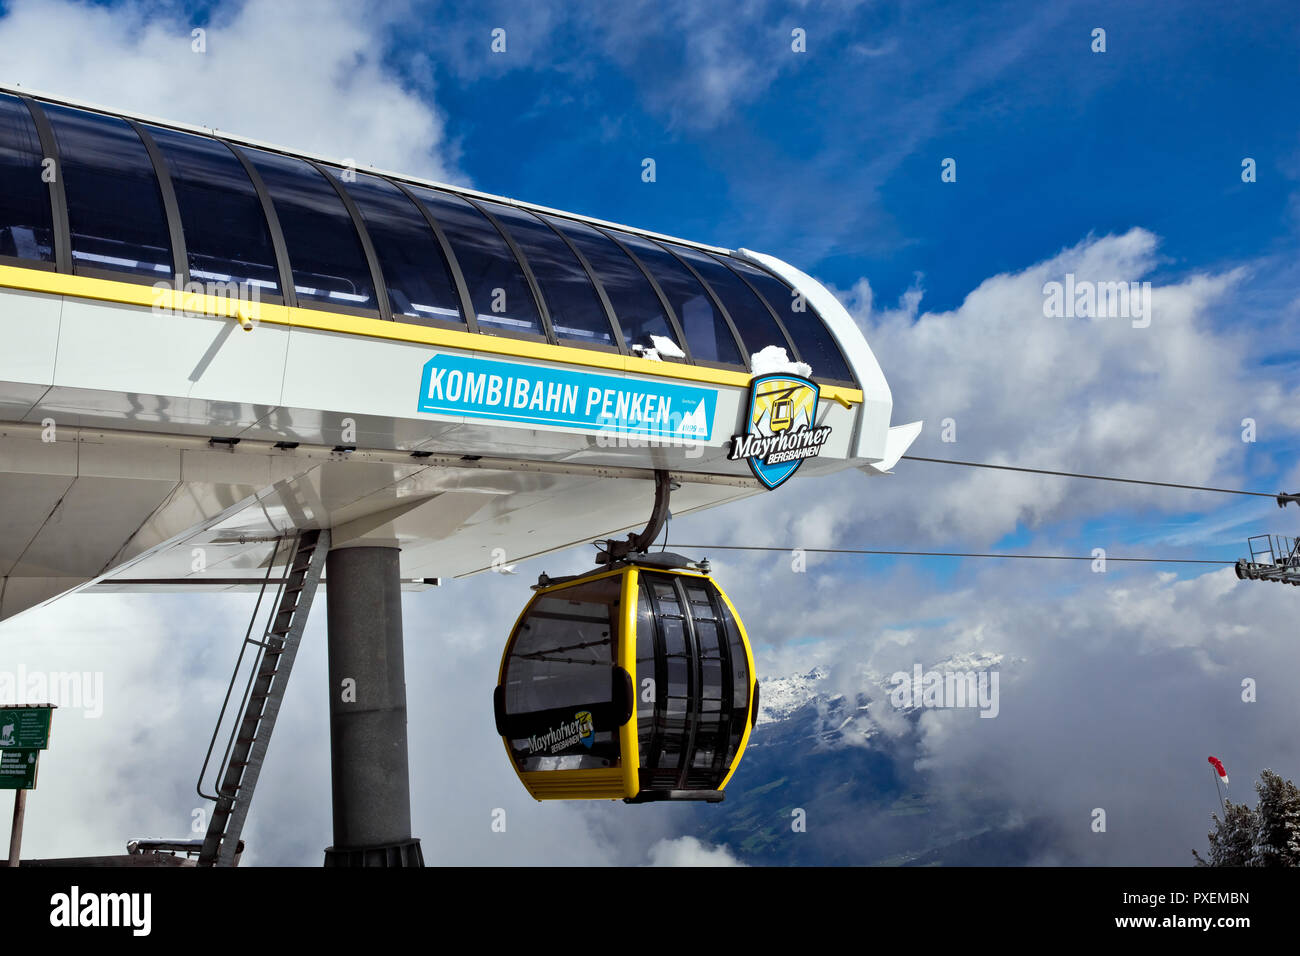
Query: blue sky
{"x":1122,"y":164}
{"x":836,"y":152}
{"x":832,"y":157}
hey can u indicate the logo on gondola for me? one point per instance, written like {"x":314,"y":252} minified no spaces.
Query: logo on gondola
{"x":586,"y":728}
{"x":781,"y":430}
{"x":580,"y":730}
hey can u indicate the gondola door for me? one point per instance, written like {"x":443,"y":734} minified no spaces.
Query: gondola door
{"x":693,"y":687}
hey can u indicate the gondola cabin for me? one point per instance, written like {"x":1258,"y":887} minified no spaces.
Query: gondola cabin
{"x":782,"y":414}
{"x":635,"y":682}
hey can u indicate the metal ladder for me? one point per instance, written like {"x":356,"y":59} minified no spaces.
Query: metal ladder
{"x":269,"y":674}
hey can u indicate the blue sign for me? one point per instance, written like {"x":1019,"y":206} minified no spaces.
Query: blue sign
{"x":540,"y":395}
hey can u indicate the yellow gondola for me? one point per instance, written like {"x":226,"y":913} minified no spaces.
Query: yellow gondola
{"x":633,"y":681}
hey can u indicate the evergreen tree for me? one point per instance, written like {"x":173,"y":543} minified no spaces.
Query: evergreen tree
{"x":1277,"y":833}
{"x":1268,"y":835}
{"x":1232,"y":838}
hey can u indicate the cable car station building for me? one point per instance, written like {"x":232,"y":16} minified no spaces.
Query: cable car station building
{"x":211,"y":346}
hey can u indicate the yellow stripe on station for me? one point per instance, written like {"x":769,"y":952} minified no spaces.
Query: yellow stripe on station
{"x":172,"y":300}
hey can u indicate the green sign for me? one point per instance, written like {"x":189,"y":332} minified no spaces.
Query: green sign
{"x":27,"y":728}
{"x":18,"y":769}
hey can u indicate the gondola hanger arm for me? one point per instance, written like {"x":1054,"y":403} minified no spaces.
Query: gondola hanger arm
{"x":640,"y":543}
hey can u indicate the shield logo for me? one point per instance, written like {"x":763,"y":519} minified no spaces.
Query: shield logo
{"x":781,"y":430}
{"x":586,"y":728}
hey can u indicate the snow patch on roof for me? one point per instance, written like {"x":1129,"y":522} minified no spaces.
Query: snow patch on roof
{"x":773,"y":358}
{"x":666,"y":347}
{"x":660,"y":347}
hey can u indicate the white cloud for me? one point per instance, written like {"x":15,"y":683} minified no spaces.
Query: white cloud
{"x":1119,"y":693}
{"x":688,"y":851}
{"x":129,"y":772}
{"x":303,"y":76}
{"x":1085,"y":395}
{"x":1091,"y":395}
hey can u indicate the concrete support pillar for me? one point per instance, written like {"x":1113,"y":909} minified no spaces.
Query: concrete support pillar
{"x":367,"y":675}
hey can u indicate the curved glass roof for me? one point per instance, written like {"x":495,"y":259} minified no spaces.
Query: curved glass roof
{"x":91,"y":193}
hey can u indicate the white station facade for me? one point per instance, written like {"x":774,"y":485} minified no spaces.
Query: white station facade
{"x":208,"y":343}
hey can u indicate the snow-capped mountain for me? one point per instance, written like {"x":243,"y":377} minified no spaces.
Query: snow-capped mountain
{"x":779,"y":697}
{"x":807,"y":707}
{"x":831,"y":709}
{"x":830,"y":745}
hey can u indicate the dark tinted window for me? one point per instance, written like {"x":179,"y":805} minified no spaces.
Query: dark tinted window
{"x":559,"y":680}
{"x":502,"y":300}
{"x":25,"y":230}
{"x":705,"y":329}
{"x":415,"y":271}
{"x":712,"y":732}
{"x":674,"y":693}
{"x":647,"y":675}
{"x":637,"y":308}
{"x":328,"y":261}
{"x":752,"y":319}
{"x":226,"y":236}
{"x":115,"y":210}
{"x":576,"y":310}
{"x":688,"y":646}
{"x":815,"y":344}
